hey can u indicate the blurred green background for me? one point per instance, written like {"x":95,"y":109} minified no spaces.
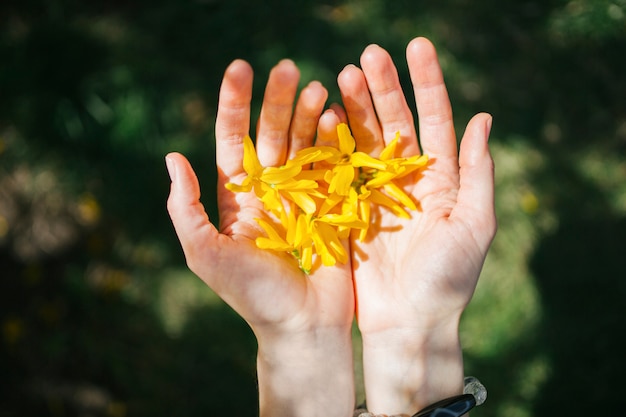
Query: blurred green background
{"x":98,"y":313}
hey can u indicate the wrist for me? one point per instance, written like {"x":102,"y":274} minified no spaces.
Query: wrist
{"x":406,"y":369}
{"x":308,"y":373}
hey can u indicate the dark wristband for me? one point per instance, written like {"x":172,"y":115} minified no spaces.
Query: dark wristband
{"x":474,"y":393}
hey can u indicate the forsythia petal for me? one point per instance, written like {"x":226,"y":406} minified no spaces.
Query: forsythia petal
{"x":361,"y":159}
{"x":313,"y":154}
{"x":331,"y":201}
{"x":346,"y":141}
{"x":306,"y":258}
{"x":341,"y":179}
{"x":276,"y":175}
{"x":238,"y":188}
{"x":251,"y":163}
{"x":269,"y":230}
{"x":390,"y":149}
{"x":380,"y":198}
{"x":381,"y":178}
{"x":396,"y":192}
{"x":304,"y":201}
{"x":265,"y":243}
{"x":324,"y":193}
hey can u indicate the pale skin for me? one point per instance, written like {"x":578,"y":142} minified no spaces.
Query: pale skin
{"x":302,"y":323}
{"x":413,"y":278}
{"x":408,"y":282}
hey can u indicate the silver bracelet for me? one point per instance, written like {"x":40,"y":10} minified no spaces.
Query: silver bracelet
{"x":474,"y":394}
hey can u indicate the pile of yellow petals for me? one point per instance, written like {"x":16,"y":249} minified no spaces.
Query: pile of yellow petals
{"x":323,"y":193}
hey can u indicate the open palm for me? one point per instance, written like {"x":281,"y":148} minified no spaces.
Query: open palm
{"x":415,"y":273}
{"x":266,"y":288}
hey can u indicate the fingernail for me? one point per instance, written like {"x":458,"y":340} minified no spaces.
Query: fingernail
{"x":171,"y":168}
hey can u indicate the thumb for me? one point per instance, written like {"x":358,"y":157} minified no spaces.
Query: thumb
{"x":475,"y":200}
{"x":194,"y":230}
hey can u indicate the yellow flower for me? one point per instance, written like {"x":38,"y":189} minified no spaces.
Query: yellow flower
{"x":323,"y":193}
{"x":306,"y":234}
{"x":346,"y":161}
{"x":393,"y":198}
{"x":272,"y":184}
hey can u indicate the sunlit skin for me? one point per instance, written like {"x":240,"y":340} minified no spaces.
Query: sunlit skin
{"x":414,"y":277}
{"x":297,"y":319}
{"x":349,"y":183}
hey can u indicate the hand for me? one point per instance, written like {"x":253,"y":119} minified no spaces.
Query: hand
{"x":413,"y":278}
{"x":302,"y":323}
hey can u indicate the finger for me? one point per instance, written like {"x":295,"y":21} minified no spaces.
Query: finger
{"x":436,"y":128}
{"x":360,"y":110}
{"x":233,"y":118}
{"x":327,"y":129}
{"x":276,"y":111}
{"x":191,"y":222}
{"x":340,"y":112}
{"x":475,"y":200}
{"x":392,"y":109}
{"x":306,"y":116}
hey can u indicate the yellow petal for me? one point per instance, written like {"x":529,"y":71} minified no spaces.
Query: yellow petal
{"x":332,"y":243}
{"x":291,"y":225}
{"x":316,"y":193}
{"x":275,"y":175}
{"x":380,"y":178}
{"x":328,"y":177}
{"x":364,"y":209}
{"x":361,"y":159}
{"x":396,"y":192}
{"x":346,"y":141}
{"x":273,"y":240}
{"x":292,"y":184}
{"x":331,"y":201}
{"x":419,"y":160}
{"x":243,"y":188}
{"x":246,"y":185}
{"x":313,"y":154}
{"x":311,"y":174}
{"x":377,"y":197}
{"x":306,"y":258}
{"x":271,"y":201}
{"x":341,"y":179}
{"x":350,"y":203}
{"x":302,"y":236}
{"x":265,"y":243}
{"x":303,"y":200}
{"x":343,"y":232}
{"x":364,"y":192}
{"x":343,"y":220}
{"x":327,"y":258}
{"x":269,"y":229}
{"x":339,"y":251}
{"x":251,"y":163}
{"x":390,"y":149}
{"x":412,"y":164}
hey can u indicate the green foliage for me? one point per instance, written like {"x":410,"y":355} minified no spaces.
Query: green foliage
{"x":98,"y":315}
